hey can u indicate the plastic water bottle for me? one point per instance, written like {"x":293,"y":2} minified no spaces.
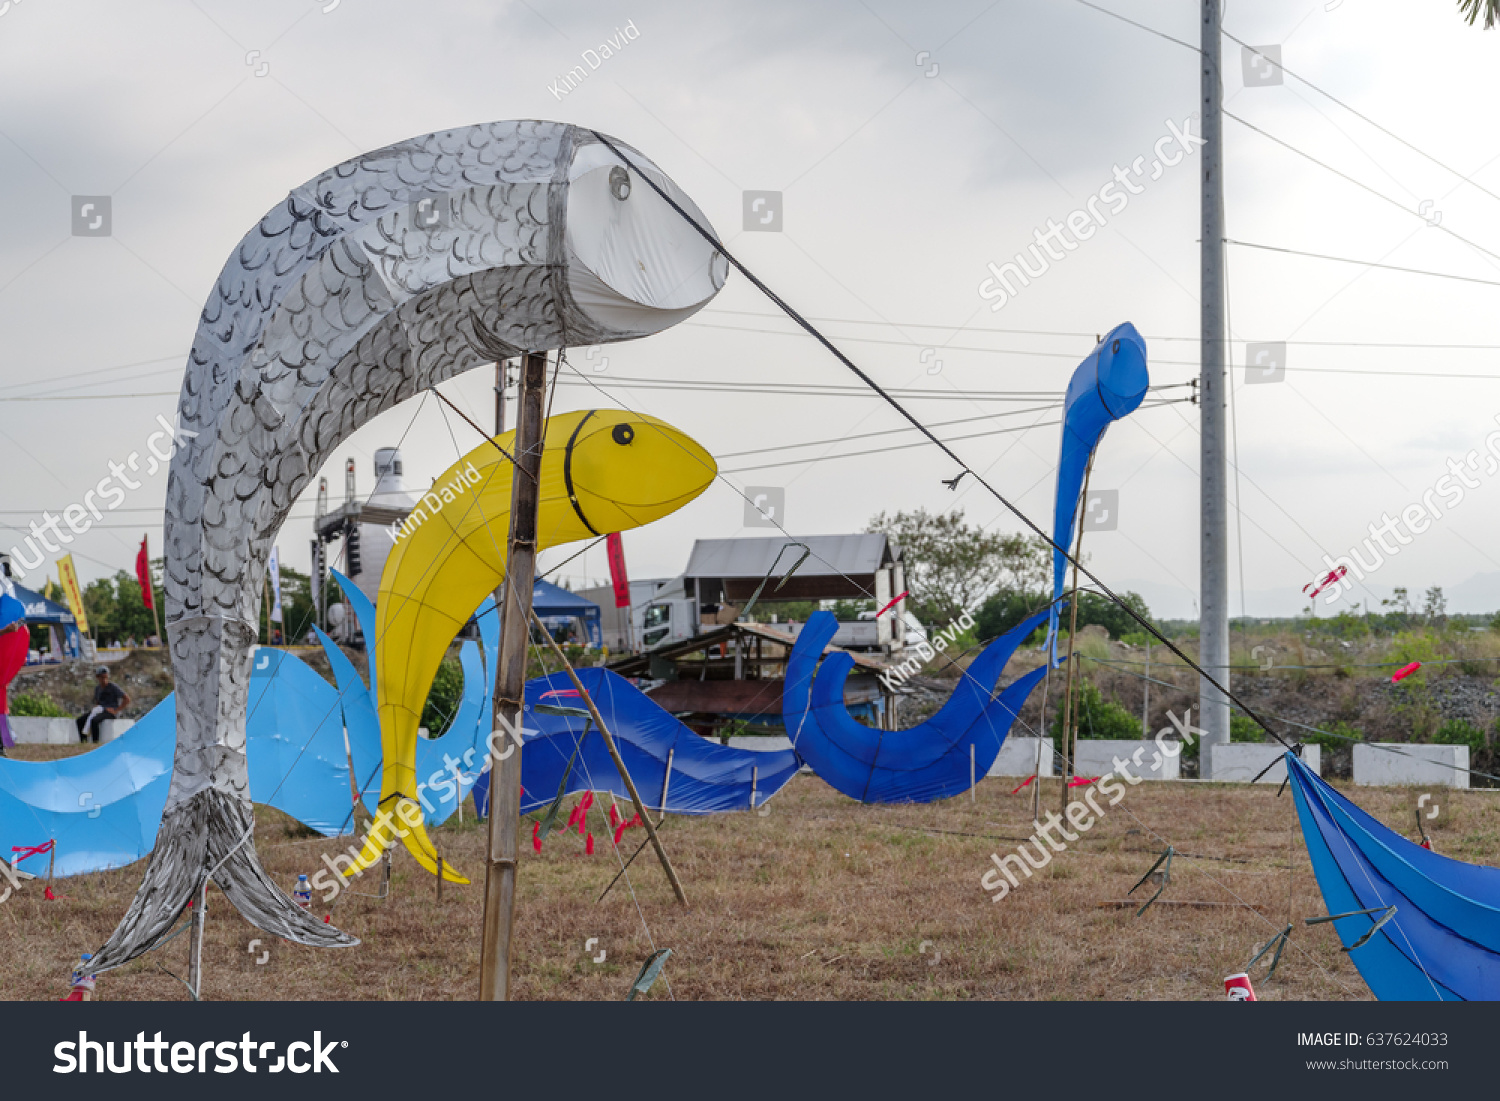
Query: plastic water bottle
{"x":303,"y":894}
{"x":82,"y":982}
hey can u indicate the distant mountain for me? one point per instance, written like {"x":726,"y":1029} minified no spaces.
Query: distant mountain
{"x":1479,"y":594}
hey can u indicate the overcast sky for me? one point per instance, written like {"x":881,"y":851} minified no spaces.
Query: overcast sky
{"x":913,"y":145}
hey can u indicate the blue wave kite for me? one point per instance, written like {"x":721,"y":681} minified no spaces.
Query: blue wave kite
{"x":1108,"y":386}
{"x":920,"y":765}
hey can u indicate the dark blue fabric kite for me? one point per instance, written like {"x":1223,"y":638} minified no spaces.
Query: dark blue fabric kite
{"x":1442,"y":943}
{"x":1107,"y":386}
{"x":704,"y":778}
{"x":926,"y":763}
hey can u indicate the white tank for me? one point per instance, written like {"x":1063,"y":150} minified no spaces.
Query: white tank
{"x":376,"y":540}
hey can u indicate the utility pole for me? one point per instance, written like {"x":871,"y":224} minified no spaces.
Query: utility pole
{"x":514,"y":598}
{"x":1213,"y":598}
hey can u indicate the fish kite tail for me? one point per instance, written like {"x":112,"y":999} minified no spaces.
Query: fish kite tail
{"x":424,"y":852}
{"x":377,"y":840}
{"x":208,"y":837}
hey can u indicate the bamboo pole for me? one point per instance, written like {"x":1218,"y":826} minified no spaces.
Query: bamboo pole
{"x":510,"y":685}
{"x":614,"y":753}
{"x":1068,"y":715}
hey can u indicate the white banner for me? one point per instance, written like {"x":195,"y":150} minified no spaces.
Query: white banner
{"x":273,"y":567}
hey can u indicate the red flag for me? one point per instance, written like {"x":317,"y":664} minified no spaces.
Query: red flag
{"x":617,"y":576}
{"x":143,"y":575}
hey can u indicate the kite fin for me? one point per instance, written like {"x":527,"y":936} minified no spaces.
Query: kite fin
{"x":417,"y":843}
{"x":209,"y":837}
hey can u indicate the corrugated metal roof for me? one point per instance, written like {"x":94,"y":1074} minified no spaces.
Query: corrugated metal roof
{"x":854,"y":555}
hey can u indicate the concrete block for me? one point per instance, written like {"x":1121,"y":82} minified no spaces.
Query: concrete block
{"x":1241,"y":762}
{"x":110,"y":729}
{"x":766,"y":743}
{"x":1096,"y":756}
{"x":1017,"y":757}
{"x":1423,"y":765}
{"x":32,"y":730}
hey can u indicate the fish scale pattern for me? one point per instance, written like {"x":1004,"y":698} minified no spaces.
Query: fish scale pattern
{"x":338,"y":305}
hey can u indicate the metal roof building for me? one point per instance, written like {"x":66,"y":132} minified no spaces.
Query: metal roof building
{"x":837,"y":567}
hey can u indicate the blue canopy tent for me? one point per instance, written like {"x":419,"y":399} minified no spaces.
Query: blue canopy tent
{"x":40,"y":610}
{"x":551,"y":603}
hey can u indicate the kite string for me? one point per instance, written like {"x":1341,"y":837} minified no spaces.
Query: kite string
{"x":813,"y":331}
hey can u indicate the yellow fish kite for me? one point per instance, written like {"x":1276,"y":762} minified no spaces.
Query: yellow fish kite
{"x":602,"y":471}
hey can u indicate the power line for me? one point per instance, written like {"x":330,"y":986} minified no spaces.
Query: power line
{"x":1364,"y":263}
{"x":1366,"y":118}
{"x":1090,"y":336}
{"x":965,"y":470}
{"x":1397,"y":203}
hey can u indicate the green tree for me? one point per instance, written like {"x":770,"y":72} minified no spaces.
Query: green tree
{"x":952,"y":565}
{"x":1006,"y":608}
{"x":1471,"y":10}
{"x":116,"y":611}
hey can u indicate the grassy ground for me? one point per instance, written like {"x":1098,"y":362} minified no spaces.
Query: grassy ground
{"x":820,"y":898}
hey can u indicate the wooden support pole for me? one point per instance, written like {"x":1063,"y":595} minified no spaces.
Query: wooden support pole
{"x":973,"y":780}
{"x":195,"y":943}
{"x":666,"y":782}
{"x":510,"y":686}
{"x":614,"y":753}
{"x":1069,"y":716}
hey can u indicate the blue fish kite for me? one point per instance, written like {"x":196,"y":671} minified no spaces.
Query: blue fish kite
{"x":1108,"y":386}
{"x":932,"y":761}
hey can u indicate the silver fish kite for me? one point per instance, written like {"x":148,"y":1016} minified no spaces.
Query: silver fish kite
{"x":372,"y":282}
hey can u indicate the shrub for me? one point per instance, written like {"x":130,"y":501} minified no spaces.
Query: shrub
{"x":1242,"y":728}
{"x":1339,"y":734}
{"x":1098,"y":717}
{"x":26,"y":704}
{"x":443,"y":697}
{"x":1459,"y":732}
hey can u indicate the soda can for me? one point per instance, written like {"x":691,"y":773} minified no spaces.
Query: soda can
{"x":1237,"y":988}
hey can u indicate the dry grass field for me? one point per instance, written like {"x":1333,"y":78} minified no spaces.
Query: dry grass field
{"x":820,"y":898}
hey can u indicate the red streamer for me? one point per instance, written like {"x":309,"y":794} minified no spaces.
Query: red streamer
{"x":1323,"y":582}
{"x":1405,"y":671}
{"x":1022,"y":784}
{"x":588,"y":847}
{"x":892,"y":604}
{"x":635,"y":820}
{"x":33,"y":850}
{"x":1080,"y":781}
{"x":536,"y":841}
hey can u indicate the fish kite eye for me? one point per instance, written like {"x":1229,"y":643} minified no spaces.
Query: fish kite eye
{"x":619,"y":183}
{"x":1115,"y":348}
{"x":623,"y":434}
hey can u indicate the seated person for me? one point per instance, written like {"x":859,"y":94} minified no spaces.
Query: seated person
{"x":109,"y":701}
